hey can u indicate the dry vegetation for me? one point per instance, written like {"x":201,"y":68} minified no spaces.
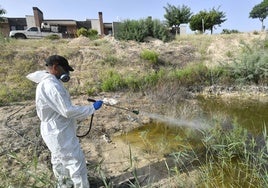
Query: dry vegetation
{"x":25,"y":159}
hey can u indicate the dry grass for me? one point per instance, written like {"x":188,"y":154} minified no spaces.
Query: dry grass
{"x":92,"y":60}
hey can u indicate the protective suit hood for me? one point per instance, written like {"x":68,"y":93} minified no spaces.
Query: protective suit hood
{"x":38,"y":76}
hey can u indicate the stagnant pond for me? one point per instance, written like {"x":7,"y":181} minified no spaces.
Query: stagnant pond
{"x":159,"y":135}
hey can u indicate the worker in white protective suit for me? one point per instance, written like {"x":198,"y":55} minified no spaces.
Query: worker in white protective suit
{"x":58,"y":122}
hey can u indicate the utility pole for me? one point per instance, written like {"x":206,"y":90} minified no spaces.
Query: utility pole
{"x":203,"y":26}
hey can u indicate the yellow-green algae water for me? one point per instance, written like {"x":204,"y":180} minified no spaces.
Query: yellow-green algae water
{"x":167,"y":134}
{"x":157,"y":137}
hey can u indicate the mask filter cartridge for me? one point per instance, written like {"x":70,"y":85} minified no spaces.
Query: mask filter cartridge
{"x":65,"y":77}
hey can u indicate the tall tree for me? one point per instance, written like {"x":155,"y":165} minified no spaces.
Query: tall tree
{"x":260,"y":11}
{"x":2,"y":12}
{"x":198,"y":21}
{"x":207,"y":20}
{"x":177,"y":15}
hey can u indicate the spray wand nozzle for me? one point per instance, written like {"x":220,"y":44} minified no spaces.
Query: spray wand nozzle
{"x":119,"y":107}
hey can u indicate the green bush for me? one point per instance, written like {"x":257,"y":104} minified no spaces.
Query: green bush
{"x":193,"y":75}
{"x":90,"y":33}
{"x":228,"y":31}
{"x":252,"y":67}
{"x":82,"y":32}
{"x":150,"y":55}
{"x":134,"y":83}
{"x":112,"y":81}
{"x":138,"y":30}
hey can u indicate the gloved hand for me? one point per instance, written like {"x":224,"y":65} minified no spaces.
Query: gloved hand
{"x":97,"y":104}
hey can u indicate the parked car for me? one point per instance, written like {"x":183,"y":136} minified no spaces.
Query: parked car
{"x":32,"y":33}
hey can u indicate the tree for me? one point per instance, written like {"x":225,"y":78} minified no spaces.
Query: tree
{"x":198,"y":21}
{"x":177,"y":15}
{"x":260,"y":11}
{"x":2,"y":12}
{"x":207,"y":20}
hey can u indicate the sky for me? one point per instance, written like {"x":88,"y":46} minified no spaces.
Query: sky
{"x":236,"y":11}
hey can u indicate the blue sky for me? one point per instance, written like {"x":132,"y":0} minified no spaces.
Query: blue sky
{"x":236,"y":11}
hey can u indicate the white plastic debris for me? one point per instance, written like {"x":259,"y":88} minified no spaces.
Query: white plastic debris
{"x":110,"y":101}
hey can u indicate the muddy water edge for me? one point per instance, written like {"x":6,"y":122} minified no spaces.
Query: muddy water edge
{"x":163,"y":137}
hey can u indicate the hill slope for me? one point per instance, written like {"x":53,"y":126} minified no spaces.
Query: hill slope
{"x":92,"y":60}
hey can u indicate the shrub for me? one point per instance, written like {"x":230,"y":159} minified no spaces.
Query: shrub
{"x":81,"y":32}
{"x":138,"y":30}
{"x":149,"y":55}
{"x":90,"y":33}
{"x":193,"y":75}
{"x":252,"y":67}
{"x":152,"y":79}
{"x":131,"y":30}
{"x":112,"y":81}
{"x":227,"y":31}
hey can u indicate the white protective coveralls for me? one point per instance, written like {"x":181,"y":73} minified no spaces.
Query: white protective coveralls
{"x":58,"y":128}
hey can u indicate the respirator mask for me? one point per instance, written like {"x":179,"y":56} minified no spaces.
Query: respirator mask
{"x":65,"y":77}
{"x":61,"y":68}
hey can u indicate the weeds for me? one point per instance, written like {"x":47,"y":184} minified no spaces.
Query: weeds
{"x":231,"y":158}
{"x":112,"y":81}
{"x":249,"y":68}
{"x":150,"y":55}
{"x":193,"y":75}
{"x":228,"y":157}
{"x":234,"y":159}
{"x":29,"y":174}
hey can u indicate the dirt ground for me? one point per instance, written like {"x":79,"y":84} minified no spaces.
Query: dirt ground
{"x":19,"y":133}
{"x":105,"y":153}
{"x":121,"y":163}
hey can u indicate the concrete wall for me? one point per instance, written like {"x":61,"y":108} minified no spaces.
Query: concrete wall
{"x":183,"y":29}
{"x":30,"y":21}
{"x":115,"y":27}
{"x":95,"y":23}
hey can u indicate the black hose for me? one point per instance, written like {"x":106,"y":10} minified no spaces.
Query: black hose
{"x":90,"y":125}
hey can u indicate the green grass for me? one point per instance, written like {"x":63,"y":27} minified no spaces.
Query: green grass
{"x":150,"y":55}
{"x":233,"y":158}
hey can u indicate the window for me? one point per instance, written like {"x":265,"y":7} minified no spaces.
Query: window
{"x":12,"y":28}
{"x":33,"y":29}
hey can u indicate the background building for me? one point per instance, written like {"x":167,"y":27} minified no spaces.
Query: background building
{"x":68,"y":28}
